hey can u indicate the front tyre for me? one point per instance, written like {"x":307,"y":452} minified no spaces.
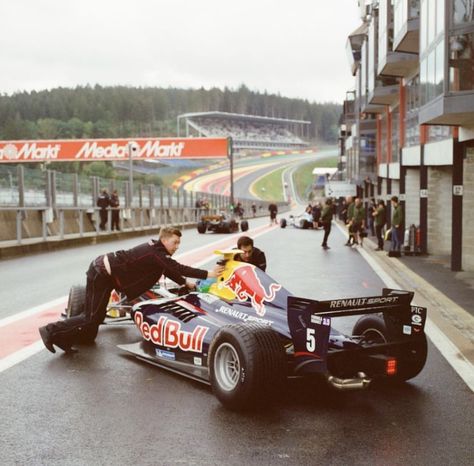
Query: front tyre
{"x":410,"y":360}
{"x":247,"y":365}
{"x":201,"y":227}
{"x":244,"y":225}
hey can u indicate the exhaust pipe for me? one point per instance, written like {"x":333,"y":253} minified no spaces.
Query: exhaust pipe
{"x":358,"y":383}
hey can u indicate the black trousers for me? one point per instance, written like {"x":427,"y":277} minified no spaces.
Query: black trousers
{"x":104,"y":218}
{"x":115,"y":219}
{"x":99,"y":286}
{"x":378,"y":234}
{"x":327,"y":230}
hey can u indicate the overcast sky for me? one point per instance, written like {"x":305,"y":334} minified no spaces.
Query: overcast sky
{"x":292,"y":47}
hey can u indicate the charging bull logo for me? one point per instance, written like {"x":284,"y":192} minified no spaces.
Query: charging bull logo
{"x":245,"y":284}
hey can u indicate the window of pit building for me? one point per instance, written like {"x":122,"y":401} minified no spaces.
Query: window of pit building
{"x":395,"y":133}
{"x":383,"y":31}
{"x":384,"y":138}
{"x":404,"y":10}
{"x":439,"y":133}
{"x":412,"y":128}
{"x":372,"y":54}
{"x":461,"y":46}
{"x":432,"y":50}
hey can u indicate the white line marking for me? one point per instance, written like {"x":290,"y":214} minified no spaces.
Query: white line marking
{"x":32,"y":311}
{"x":21,"y":355}
{"x":445,"y":346}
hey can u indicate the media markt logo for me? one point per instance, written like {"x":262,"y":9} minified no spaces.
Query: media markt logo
{"x":9,"y":152}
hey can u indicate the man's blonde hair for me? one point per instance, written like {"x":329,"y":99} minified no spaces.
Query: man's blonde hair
{"x":169,"y":231}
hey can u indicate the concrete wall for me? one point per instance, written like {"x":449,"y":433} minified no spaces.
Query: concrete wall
{"x":440,"y":190}
{"x":412,"y":197}
{"x":468,"y":209}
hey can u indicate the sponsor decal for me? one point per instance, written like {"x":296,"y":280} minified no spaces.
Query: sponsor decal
{"x":242,"y":315}
{"x":208,"y":298}
{"x":167,"y":332}
{"x":358,"y":302}
{"x":245,"y":284}
{"x":315,"y":319}
{"x":165,"y":354}
{"x":407,"y":330}
{"x":197,"y":361}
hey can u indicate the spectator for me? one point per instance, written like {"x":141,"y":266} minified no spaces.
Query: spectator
{"x":273,"y":209}
{"x":349,"y":216}
{"x":115,"y":204}
{"x":397,"y":228}
{"x":380,"y":219}
{"x":250,"y":254}
{"x":358,"y":222}
{"x":326,"y":220}
{"x":372,"y":208}
{"x":316,"y":214}
{"x":103,"y":202}
{"x":239,"y":210}
{"x":254,"y":209}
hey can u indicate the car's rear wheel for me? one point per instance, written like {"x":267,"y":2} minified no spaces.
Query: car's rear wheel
{"x":244,"y":225}
{"x":201,"y":227}
{"x":410,"y":361}
{"x":247,"y":365}
{"x":283,"y":223}
{"x":304,"y":224}
{"x":76,"y":307}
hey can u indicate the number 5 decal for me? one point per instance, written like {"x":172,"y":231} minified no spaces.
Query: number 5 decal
{"x":310,"y":339}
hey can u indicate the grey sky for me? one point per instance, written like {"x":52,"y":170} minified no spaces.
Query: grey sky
{"x":294,"y":47}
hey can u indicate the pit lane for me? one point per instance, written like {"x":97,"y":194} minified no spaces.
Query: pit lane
{"x":101,"y":406}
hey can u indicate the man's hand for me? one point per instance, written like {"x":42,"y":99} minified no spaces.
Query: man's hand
{"x":190,"y":285}
{"x":215,"y":272}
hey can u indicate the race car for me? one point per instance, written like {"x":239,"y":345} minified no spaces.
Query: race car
{"x":303,"y":221}
{"x":244,"y":334}
{"x":222,"y":223}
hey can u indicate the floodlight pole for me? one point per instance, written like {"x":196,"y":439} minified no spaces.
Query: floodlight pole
{"x":230,"y":154}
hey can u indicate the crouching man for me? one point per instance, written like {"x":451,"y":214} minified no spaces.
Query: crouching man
{"x":132,"y":272}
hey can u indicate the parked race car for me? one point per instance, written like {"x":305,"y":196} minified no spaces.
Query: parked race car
{"x":222,"y":223}
{"x":303,"y":221}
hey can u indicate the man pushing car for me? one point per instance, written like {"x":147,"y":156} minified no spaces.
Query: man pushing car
{"x":132,"y":272}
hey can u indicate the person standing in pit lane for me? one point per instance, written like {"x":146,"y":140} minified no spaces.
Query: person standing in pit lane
{"x":326,"y":220}
{"x":131,"y":272}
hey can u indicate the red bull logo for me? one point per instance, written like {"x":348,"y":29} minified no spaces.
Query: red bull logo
{"x":245,"y":284}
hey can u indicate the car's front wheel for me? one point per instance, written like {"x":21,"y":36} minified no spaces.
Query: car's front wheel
{"x":410,"y":360}
{"x":247,"y":365}
{"x":201,"y":227}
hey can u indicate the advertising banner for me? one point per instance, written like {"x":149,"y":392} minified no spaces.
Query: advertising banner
{"x":88,"y":150}
{"x":340,"y":189}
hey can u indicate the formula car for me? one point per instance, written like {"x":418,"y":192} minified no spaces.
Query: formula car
{"x":222,"y":223}
{"x":303,"y":221}
{"x":244,"y":334}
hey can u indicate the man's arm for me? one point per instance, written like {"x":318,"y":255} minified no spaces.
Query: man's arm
{"x":261,"y":261}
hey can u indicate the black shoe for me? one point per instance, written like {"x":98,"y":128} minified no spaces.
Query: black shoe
{"x":46,"y":337}
{"x":347,"y":244}
{"x":325,"y":246}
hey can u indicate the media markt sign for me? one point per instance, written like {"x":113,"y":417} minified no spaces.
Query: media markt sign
{"x":340,"y":189}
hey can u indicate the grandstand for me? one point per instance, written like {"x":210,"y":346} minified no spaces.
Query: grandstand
{"x":248,"y":132}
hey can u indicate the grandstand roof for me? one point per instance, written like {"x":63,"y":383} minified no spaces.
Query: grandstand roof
{"x":240,"y":116}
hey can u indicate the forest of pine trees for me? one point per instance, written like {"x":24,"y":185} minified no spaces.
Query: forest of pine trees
{"x":120,"y":111}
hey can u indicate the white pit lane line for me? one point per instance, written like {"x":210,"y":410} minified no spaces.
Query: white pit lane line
{"x":446,"y":347}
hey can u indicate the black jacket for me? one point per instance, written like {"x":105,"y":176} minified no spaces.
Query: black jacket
{"x":257,"y":258}
{"x":136,"y":270}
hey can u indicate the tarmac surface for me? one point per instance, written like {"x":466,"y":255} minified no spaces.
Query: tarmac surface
{"x":101,"y":406}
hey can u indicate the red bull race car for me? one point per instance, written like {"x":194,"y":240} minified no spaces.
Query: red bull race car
{"x":244,"y":334}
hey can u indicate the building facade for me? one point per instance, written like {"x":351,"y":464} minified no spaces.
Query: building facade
{"x":408,"y":127}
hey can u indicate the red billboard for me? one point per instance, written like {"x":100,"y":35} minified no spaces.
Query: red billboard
{"x":88,"y":150}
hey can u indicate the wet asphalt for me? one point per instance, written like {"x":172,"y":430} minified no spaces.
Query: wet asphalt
{"x":103,"y":407}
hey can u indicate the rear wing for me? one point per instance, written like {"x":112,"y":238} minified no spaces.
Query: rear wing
{"x":309,"y":321}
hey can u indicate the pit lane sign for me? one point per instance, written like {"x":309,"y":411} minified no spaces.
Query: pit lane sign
{"x":339,"y":189}
{"x":71,"y":150}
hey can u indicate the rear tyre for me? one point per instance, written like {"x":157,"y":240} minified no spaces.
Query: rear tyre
{"x":201,"y":227}
{"x":247,"y":365}
{"x":244,"y":225}
{"x":75,"y":307}
{"x":304,"y":224}
{"x":410,"y":361}
{"x":283,"y":223}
